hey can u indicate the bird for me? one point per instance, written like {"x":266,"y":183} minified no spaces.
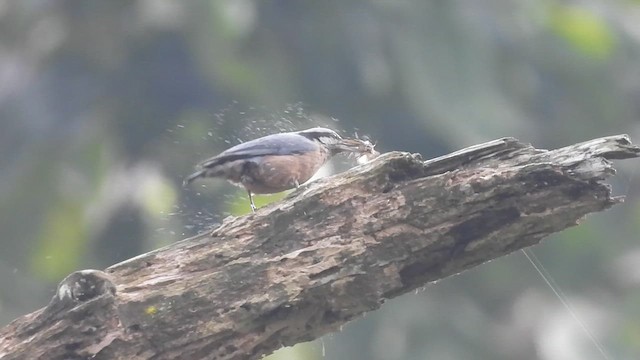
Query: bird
{"x":277,"y":162}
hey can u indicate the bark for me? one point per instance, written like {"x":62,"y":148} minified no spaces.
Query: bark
{"x":329,"y":252}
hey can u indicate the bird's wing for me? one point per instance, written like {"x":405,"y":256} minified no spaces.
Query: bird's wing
{"x":276,"y":144}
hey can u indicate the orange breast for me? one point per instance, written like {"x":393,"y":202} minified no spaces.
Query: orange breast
{"x":278,"y":173}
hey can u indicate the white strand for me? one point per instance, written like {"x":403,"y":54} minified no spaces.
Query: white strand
{"x":563,"y":299}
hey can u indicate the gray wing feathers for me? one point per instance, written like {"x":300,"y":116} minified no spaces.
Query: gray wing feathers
{"x":276,"y":144}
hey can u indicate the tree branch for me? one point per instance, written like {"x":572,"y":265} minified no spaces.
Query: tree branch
{"x":329,"y":252}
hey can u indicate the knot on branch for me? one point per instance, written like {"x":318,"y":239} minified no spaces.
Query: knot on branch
{"x":326,"y":254}
{"x":84,"y":285}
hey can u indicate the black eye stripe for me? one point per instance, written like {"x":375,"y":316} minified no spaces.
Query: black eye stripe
{"x":317,"y":135}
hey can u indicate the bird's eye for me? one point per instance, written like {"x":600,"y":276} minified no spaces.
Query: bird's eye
{"x":327,"y":140}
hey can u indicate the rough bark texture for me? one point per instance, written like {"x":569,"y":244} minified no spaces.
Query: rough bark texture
{"x":329,"y":252}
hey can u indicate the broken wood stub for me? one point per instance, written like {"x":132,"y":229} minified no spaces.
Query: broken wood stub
{"x":331,"y":251}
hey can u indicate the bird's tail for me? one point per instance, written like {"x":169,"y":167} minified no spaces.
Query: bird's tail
{"x":189,"y":179}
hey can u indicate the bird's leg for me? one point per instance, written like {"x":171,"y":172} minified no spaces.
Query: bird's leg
{"x":296,"y":183}
{"x":253,"y":206}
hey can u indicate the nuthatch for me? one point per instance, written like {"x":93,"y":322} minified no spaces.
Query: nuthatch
{"x":278,"y":162}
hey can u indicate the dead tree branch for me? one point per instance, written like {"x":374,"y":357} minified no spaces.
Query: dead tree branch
{"x":329,"y":252}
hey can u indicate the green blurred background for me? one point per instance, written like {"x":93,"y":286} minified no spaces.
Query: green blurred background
{"x":106,"y":105}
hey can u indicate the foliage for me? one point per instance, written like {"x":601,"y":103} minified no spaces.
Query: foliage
{"x":106,"y":106}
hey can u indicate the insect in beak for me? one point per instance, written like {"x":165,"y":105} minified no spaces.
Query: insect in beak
{"x":363,"y":149}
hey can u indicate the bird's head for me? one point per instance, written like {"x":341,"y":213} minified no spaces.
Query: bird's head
{"x":335,"y":143}
{"x":323,"y":136}
{"x":326,"y":138}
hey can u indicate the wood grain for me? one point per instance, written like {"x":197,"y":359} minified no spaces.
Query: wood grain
{"x":329,"y":252}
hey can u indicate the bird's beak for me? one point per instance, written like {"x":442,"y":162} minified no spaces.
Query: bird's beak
{"x":364,"y":149}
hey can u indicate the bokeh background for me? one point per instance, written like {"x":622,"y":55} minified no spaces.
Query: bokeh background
{"x":106,"y":105}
